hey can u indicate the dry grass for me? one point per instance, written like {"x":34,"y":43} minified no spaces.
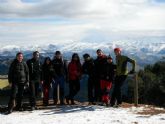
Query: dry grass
{"x":148,"y":109}
{"x":3,"y":83}
{"x":152,"y":111}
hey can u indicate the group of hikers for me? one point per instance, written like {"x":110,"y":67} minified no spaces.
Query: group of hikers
{"x":102,"y":73}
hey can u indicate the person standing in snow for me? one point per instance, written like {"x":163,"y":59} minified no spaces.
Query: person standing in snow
{"x":18,"y":77}
{"x":121,"y":75}
{"x":47,"y":75}
{"x":35,"y":70}
{"x":99,"y":62}
{"x":89,"y":69}
{"x":74,"y":76}
{"x":59,"y":77}
{"x":107,"y":78}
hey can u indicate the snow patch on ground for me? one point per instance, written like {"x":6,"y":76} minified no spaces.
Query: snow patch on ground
{"x":82,"y":115}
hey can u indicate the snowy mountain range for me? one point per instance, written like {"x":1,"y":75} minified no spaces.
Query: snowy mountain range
{"x":139,"y":49}
{"x":133,"y":47}
{"x":143,"y":52}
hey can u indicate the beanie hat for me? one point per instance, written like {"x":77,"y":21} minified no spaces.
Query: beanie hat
{"x":117,"y":49}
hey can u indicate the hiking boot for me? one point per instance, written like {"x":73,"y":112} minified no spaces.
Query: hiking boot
{"x":67,"y":100}
{"x":45,"y":103}
{"x":102,"y":104}
{"x":36,"y":108}
{"x":91,"y":103}
{"x":72,"y":102}
{"x":9,"y":111}
{"x":32,"y":108}
{"x":55,"y":102}
{"x":61,"y":102}
{"x":20,"y":109}
{"x":108,"y":105}
{"x":17,"y":108}
{"x":117,"y":106}
{"x":111,"y":105}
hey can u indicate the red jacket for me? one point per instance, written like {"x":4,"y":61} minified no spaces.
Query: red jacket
{"x":74,"y":70}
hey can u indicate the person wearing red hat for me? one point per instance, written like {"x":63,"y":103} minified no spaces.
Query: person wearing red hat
{"x":121,"y":75}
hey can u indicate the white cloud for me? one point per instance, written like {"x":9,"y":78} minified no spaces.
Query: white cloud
{"x":102,"y":16}
{"x":40,"y":33}
{"x":74,"y":8}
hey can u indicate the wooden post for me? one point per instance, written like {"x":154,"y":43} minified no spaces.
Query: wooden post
{"x":58,"y":93}
{"x":135,"y":90}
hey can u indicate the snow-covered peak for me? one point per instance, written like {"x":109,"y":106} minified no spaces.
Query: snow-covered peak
{"x":132,"y":46}
{"x":148,"y":51}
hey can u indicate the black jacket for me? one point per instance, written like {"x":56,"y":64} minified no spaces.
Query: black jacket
{"x":35,"y":69}
{"x":89,"y":68}
{"x":108,"y":71}
{"x":59,"y":67}
{"x":18,"y":72}
{"x":99,"y":63}
{"x":47,"y":73}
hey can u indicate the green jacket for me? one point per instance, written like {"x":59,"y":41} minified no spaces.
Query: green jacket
{"x":121,"y":63}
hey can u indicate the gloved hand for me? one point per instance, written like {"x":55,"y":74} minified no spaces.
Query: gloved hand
{"x":10,"y":85}
{"x":107,"y":77}
{"x":51,"y":85}
{"x":42,"y":82}
{"x":26,"y":86}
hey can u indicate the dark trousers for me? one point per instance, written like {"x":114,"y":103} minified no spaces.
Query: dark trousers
{"x":16,"y":93}
{"x":91,"y":89}
{"x":97,"y":90}
{"x":33,"y":91}
{"x":59,"y":81}
{"x":116,"y":94}
{"x":74,"y":87}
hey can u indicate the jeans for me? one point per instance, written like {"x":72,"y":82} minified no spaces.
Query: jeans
{"x":61,"y":82}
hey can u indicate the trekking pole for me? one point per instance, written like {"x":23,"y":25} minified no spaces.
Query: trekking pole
{"x":135,"y":90}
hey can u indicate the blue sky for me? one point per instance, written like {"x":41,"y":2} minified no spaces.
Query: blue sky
{"x":30,"y":1}
{"x":160,"y":1}
{"x":52,"y":21}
